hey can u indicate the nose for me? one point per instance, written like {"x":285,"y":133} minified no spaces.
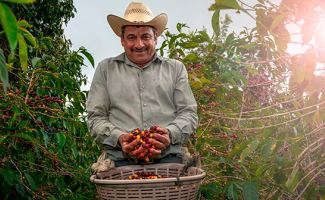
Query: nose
{"x":139,"y":43}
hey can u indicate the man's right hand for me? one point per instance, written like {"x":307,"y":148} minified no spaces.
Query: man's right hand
{"x":128,"y":147}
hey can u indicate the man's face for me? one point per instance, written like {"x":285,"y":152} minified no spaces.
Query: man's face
{"x":139,"y":44}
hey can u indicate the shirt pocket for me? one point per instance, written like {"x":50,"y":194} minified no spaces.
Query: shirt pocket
{"x":164,"y":87}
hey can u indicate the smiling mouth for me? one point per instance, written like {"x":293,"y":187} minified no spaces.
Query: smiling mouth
{"x":139,"y":50}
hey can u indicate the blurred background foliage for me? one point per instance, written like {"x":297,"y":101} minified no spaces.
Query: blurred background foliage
{"x":261,"y":110}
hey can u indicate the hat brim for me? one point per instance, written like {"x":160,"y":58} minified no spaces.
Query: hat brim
{"x":116,"y":23}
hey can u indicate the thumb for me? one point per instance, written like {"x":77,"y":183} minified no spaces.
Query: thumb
{"x":129,"y":137}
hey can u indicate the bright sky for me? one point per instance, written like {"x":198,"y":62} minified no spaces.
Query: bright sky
{"x":90,"y":28}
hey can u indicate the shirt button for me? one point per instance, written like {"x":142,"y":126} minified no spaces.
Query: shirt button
{"x":145,"y":105}
{"x":142,"y":87}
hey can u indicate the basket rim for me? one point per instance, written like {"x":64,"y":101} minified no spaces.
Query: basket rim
{"x":146,"y":181}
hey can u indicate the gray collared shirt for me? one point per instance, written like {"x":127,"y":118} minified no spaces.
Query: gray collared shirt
{"x":123,"y":97}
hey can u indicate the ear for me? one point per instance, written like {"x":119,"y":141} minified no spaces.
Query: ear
{"x":122,"y":40}
{"x":156,"y":36}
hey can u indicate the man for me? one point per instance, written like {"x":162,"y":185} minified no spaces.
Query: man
{"x":140,"y":89}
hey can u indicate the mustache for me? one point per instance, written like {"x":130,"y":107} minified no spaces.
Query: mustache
{"x":142,"y":49}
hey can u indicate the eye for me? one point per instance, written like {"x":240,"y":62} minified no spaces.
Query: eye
{"x":147,"y":37}
{"x":131,"y":38}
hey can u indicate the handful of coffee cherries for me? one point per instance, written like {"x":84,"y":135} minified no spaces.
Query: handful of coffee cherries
{"x":144,"y":137}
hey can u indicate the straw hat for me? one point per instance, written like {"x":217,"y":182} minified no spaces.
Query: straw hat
{"x":137,"y":14}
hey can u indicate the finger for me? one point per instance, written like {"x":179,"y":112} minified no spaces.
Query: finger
{"x":157,"y":144}
{"x":137,"y":152}
{"x":155,"y":152}
{"x":130,"y":146}
{"x":129,"y":137}
{"x":145,"y":152}
{"x":162,"y":129}
{"x":126,"y":138}
{"x":162,"y":138}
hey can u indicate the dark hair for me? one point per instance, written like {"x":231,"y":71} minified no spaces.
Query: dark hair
{"x":153,"y":30}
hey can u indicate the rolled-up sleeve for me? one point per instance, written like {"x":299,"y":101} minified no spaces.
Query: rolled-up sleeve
{"x":100,"y":127}
{"x":186,"y":119}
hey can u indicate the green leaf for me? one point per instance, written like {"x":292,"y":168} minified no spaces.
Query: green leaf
{"x":7,"y":177}
{"x":232,"y":192}
{"x":15,"y":109}
{"x":293,"y":181}
{"x":172,"y":41}
{"x":20,"y":1}
{"x":20,"y":189}
{"x":46,"y":138}
{"x":279,"y":161}
{"x":199,"y":39}
{"x":250,"y":191}
{"x":311,"y":192}
{"x":61,"y":139}
{"x":35,"y":62}
{"x":308,"y":30}
{"x":216,"y":23}
{"x":180,"y":26}
{"x":3,"y":138}
{"x":251,"y":147}
{"x":3,"y":72}
{"x":22,"y":52}
{"x":191,"y":57}
{"x":268,"y":132}
{"x":239,"y":148}
{"x":277,"y":20}
{"x":222,"y":4}
{"x":23,"y":135}
{"x":9,"y":25}
{"x":267,"y":149}
{"x":28,"y":36}
{"x":281,"y":38}
{"x":30,"y":181}
{"x":198,"y":146}
{"x":24,"y":23}
{"x":189,"y":45}
{"x":89,"y":57}
{"x":12,"y":120}
{"x":36,"y":149}
{"x":22,"y":123}
{"x":205,"y":35}
{"x":253,"y":71}
{"x":248,"y":46}
{"x":319,"y":38}
{"x":261,"y":170}
{"x":279,"y":177}
{"x":318,"y":83}
{"x":74,"y":151}
{"x":261,"y":19}
{"x":230,"y":39}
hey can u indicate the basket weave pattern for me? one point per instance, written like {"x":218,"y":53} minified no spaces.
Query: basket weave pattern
{"x":115,"y":184}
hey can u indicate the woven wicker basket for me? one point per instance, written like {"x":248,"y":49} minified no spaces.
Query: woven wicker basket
{"x":115,"y":184}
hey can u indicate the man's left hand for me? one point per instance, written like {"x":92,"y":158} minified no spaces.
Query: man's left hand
{"x":161,"y":142}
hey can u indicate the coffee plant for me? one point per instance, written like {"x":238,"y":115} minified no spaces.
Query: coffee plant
{"x":45,"y":147}
{"x":261,"y":110}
